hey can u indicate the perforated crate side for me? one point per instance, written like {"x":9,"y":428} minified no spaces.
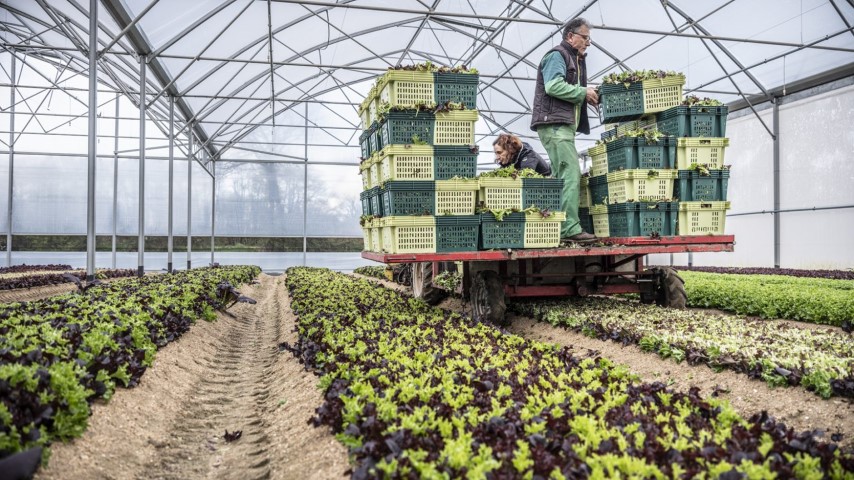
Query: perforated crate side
{"x":702,"y":218}
{"x":599,"y":218}
{"x":693,"y":186}
{"x":405,"y":127}
{"x":661,"y":94}
{"x":698,"y":121}
{"x":409,"y":162}
{"x":401,"y":198}
{"x":376,"y":238}
{"x":456,"y":87}
{"x":598,"y":190}
{"x":454,"y":161}
{"x":375,"y":197}
{"x":619,"y":104}
{"x":365,"y":198}
{"x":708,"y":152}
{"x":634,"y":152}
{"x":598,"y":160}
{"x":585,"y":219}
{"x":509,"y":233}
{"x":366,"y":236}
{"x":542,"y":198}
{"x":584,"y":193}
{"x":455,"y":127}
{"x":640,"y":186}
{"x":456,"y":197}
{"x":407,"y":89}
{"x":408,"y":234}
{"x":457,"y":234}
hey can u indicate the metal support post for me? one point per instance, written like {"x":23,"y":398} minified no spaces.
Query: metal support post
{"x":141,"y":242}
{"x":305,"y":192}
{"x":213,"y":208}
{"x":115,"y":180}
{"x":190,"y":199}
{"x":13,"y":74}
{"x":93,"y":132}
{"x":776,"y":127}
{"x":169,"y":245}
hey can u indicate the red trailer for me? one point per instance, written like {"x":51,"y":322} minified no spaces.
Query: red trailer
{"x":615,"y":265}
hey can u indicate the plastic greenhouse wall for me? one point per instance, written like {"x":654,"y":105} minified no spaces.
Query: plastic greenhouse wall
{"x":816,"y":170}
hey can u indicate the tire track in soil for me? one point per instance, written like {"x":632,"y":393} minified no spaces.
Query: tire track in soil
{"x":227,"y":374}
{"x":231,"y":395}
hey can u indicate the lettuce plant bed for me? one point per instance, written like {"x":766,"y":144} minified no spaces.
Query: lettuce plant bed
{"x":419,"y":392}
{"x":814,"y":300}
{"x":59,"y":355}
{"x":791,"y":272}
{"x":779,"y":354}
{"x":34,"y":268}
{"x":27,"y":280}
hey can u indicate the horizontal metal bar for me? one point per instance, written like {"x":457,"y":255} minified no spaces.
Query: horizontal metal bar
{"x":786,"y":210}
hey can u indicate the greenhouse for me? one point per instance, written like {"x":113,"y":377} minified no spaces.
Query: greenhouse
{"x":426,"y":239}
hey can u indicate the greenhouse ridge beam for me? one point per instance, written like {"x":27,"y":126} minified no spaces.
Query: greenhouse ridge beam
{"x":555,"y":23}
{"x":140,"y":43}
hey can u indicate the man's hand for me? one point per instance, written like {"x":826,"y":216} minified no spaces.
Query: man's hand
{"x":592,"y":96}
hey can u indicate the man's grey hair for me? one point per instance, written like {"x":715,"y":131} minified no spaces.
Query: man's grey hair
{"x":574,"y":25}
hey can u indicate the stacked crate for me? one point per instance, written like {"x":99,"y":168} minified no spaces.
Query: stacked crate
{"x":533,"y":229}
{"x":420,"y":167}
{"x":641,"y":188}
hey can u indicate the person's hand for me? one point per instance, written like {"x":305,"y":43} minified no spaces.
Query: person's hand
{"x":592,"y":96}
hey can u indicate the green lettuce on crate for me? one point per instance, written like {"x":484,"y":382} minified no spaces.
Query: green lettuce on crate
{"x":628,"y":96}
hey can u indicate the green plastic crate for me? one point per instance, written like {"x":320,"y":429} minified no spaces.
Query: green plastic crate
{"x":617,"y":103}
{"x":620,"y":129}
{"x":702,"y":218}
{"x":508,"y":233}
{"x":456,"y":87}
{"x":365,"y":143}
{"x":405,"y":127}
{"x":684,"y":121}
{"x":375,"y":198}
{"x":642,"y":219}
{"x":454,"y":161}
{"x":365,"y":197}
{"x":542,"y":192}
{"x":585,"y":219}
{"x":457,"y":233}
{"x":400,"y":198}
{"x":598,"y":190}
{"x":376,"y":140}
{"x":628,"y":153}
{"x":693,"y":186}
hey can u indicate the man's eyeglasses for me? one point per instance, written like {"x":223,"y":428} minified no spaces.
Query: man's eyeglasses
{"x":587,"y":38}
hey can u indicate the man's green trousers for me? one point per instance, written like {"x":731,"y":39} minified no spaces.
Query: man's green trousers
{"x":559,"y":142}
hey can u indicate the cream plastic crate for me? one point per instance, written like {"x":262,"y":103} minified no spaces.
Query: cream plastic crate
{"x":456,"y":197}
{"x":702,"y":218}
{"x":598,"y":160}
{"x":402,"y":88}
{"x":375,"y":169}
{"x":708,"y":152}
{"x":366,"y":233}
{"x":365,"y":172}
{"x":601,"y":227}
{"x":641,"y":185}
{"x":407,"y":162}
{"x":408,"y":234}
{"x":543,"y":232}
{"x":501,"y":193}
{"x":455,"y":127}
{"x":659,"y":94}
{"x":584,"y":193}
{"x":376,"y":236}
{"x":365,"y":111}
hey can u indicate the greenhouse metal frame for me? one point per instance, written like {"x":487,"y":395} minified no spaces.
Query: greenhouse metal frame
{"x":117,"y":56}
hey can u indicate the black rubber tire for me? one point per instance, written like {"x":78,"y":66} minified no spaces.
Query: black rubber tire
{"x":487,"y":298}
{"x":422,"y":284}
{"x":403,"y":274}
{"x":671,"y":291}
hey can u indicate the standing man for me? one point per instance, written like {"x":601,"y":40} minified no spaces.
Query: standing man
{"x":560,"y":111}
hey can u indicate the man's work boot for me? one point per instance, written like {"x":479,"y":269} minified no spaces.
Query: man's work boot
{"x":582,"y":237}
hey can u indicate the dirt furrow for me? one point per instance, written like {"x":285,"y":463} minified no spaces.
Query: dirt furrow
{"x":228,"y":374}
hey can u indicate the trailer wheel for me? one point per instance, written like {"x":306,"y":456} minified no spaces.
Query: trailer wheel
{"x":487,"y":298}
{"x":422,"y":284}
{"x":671,"y":289}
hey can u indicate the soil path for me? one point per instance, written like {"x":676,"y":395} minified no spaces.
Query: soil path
{"x":795,"y":406}
{"x":222,"y":375}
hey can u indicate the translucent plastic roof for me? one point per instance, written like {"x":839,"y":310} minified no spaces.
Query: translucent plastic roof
{"x":237,"y":68}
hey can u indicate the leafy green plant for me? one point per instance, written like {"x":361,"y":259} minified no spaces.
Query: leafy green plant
{"x":511,"y":172}
{"x":695,"y":101}
{"x":627,"y":78}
